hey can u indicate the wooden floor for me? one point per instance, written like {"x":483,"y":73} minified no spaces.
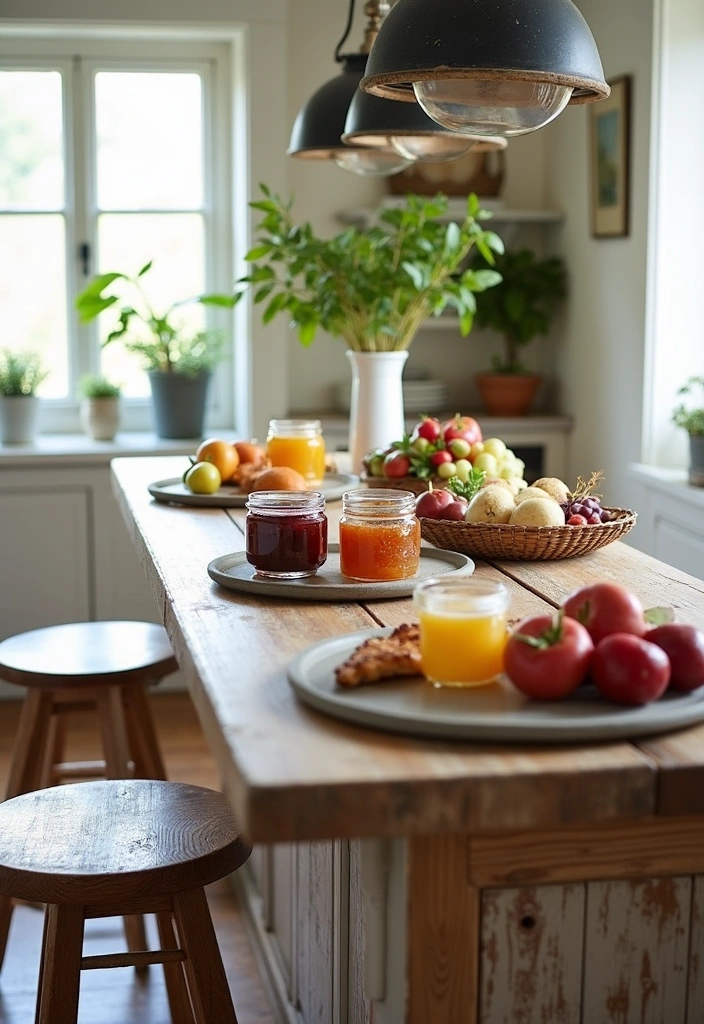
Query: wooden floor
{"x":120,"y":996}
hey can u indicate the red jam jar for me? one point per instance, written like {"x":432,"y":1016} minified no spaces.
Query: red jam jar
{"x":379,"y":535}
{"x":286,"y":533}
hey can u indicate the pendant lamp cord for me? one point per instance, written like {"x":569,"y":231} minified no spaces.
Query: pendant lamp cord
{"x":350,"y":18}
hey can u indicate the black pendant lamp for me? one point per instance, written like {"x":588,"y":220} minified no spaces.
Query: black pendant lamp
{"x":317,"y":130}
{"x":375,"y":122}
{"x":486,"y":67}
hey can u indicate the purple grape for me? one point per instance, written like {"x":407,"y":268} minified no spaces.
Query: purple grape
{"x":578,"y":509}
{"x":606,"y":516}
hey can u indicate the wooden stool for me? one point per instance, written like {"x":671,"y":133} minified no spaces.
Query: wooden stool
{"x":101,"y":666}
{"x":110,"y":848}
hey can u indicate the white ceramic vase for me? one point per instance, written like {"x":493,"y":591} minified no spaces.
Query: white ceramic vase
{"x":376,"y":408}
{"x":100,"y":417}
{"x":19,"y":419}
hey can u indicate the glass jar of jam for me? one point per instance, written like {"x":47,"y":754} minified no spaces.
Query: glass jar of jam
{"x":379,"y":535}
{"x":286,"y":533}
{"x":298,"y":444}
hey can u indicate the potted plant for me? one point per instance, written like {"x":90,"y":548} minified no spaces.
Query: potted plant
{"x":692,"y":420}
{"x":178,"y":361}
{"x":21,"y":373}
{"x":100,"y":407}
{"x":521,"y":307}
{"x":372,"y":288}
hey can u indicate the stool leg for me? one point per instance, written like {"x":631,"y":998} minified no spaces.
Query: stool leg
{"x":176,"y":990}
{"x":207,"y":983}
{"x":54,"y":751}
{"x":30,"y":743}
{"x":140,"y":727}
{"x":111,"y":718}
{"x":60,"y":973}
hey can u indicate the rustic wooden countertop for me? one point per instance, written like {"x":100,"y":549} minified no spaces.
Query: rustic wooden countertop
{"x":294,"y":774}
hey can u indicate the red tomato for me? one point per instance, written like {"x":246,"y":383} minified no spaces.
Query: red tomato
{"x":630,"y":670}
{"x":606,"y":608}
{"x":462,"y":426}
{"x":428,"y":428}
{"x":397,"y":465}
{"x":684,"y":646}
{"x":547,"y":656}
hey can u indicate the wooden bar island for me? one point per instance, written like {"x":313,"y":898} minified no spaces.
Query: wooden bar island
{"x":406,"y":881}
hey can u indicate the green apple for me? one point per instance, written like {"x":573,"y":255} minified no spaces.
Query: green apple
{"x":464,"y":468}
{"x":203,"y":478}
{"x":459,"y":447}
{"x":488,"y":463}
{"x":446,"y":470}
{"x":496,"y":447}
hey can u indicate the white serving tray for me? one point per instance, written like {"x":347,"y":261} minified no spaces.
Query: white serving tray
{"x":494,"y":713}
{"x":174,"y":492}
{"x":234,"y":572}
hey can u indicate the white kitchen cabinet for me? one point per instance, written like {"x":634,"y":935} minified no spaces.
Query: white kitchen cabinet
{"x":670,"y":517}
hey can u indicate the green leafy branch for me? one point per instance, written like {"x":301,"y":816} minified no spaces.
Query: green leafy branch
{"x":373,"y":288}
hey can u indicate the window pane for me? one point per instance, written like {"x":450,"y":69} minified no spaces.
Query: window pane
{"x":31,"y":140}
{"x":33,"y":293}
{"x":175,"y":242}
{"x":150,"y":140}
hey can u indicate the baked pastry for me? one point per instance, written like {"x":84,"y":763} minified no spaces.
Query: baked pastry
{"x":383,"y":657}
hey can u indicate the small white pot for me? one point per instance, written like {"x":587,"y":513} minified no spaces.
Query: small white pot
{"x":100,"y":417}
{"x":19,"y":419}
{"x":376,"y":408}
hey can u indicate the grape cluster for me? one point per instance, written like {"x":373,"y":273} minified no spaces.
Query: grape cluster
{"x":585,"y":511}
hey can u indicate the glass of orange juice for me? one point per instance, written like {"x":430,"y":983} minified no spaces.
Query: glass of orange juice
{"x":462,"y":629}
{"x":298,"y":444}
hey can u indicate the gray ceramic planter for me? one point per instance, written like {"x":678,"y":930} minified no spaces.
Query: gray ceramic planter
{"x":696,"y":460}
{"x":179,"y":404}
{"x":19,"y":419}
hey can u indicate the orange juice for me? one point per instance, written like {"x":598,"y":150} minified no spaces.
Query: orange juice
{"x":298,"y":444}
{"x":462,"y":630}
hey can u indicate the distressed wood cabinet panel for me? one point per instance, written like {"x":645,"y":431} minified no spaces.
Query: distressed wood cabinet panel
{"x":359,"y":1008}
{"x":695,"y":987}
{"x":531,"y":955}
{"x":45,"y":553}
{"x":281,"y":907}
{"x":314,"y":930}
{"x":636,"y":951}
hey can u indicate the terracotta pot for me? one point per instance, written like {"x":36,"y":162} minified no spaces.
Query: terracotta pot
{"x":507,"y":394}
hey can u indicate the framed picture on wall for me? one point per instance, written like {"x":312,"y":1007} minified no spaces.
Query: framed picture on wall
{"x":609,"y":135}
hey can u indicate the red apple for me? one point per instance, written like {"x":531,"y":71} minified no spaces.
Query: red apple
{"x":396,"y":465}
{"x":606,"y":608}
{"x":455,"y":511}
{"x":437,"y":458}
{"x":428,"y":428}
{"x":629,"y":669}
{"x":684,"y":646}
{"x":462,"y":426}
{"x":430,"y":504}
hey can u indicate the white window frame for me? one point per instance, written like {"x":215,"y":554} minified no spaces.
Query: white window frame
{"x":212,"y":61}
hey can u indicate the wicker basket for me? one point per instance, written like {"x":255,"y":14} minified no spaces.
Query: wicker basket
{"x":402,"y":483}
{"x":526,"y":543}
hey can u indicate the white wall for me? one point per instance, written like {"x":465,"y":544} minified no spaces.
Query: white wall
{"x":602,"y":355}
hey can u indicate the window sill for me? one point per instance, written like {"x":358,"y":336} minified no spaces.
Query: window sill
{"x":670,"y":482}
{"x":80,"y":450}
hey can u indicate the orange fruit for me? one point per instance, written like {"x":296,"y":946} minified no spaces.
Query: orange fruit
{"x":280,"y":478}
{"x":222,"y":455}
{"x":249,"y":451}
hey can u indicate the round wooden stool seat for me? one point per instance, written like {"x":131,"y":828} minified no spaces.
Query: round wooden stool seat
{"x":119,"y":842}
{"x":86,"y":654}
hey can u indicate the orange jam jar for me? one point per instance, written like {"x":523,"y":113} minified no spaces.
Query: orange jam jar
{"x":379,"y":535}
{"x":298,"y":444}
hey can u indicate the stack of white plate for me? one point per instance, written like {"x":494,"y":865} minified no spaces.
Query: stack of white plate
{"x":419,"y":396}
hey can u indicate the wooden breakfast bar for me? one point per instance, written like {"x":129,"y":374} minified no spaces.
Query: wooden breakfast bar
{"x":398,"y":880}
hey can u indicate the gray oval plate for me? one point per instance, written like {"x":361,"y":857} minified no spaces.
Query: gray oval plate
{"x":234,"y":572}
{"x":174,"y":492}
{"x":496,"y":713}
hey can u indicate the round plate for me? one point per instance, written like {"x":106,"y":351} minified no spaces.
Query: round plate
{"x":174,"y":492}
{"x":234,"y":572}
{"x":496,"y":713}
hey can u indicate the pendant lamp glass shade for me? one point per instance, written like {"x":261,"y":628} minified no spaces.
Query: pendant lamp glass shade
{"x":486,"y":67}
{"x":317,"y":130}
{"x":374,"y":122}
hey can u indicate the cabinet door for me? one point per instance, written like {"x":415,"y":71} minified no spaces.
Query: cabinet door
{"x":44,"y":554}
